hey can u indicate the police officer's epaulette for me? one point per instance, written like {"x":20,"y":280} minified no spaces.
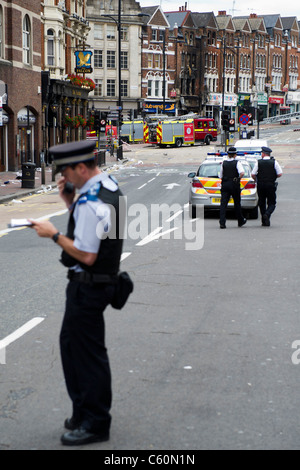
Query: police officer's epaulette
{"x":91,"y":195}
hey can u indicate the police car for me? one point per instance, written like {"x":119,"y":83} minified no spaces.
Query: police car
{"x":205,"y":188}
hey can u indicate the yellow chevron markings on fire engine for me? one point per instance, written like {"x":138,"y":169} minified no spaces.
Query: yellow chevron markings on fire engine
{"x":146,"y":133}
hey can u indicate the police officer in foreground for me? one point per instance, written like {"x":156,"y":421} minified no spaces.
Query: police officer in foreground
{"x":93,"y":260}
{"x":265,"y":172}
{"x":231,"y":172}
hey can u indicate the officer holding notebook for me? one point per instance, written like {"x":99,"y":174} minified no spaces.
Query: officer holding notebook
{"x":92,"y":257}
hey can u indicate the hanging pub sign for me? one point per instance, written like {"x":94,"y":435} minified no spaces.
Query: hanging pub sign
{"x":83,"y":61}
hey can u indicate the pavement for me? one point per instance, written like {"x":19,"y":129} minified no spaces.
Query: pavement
{"x":11,"y":181}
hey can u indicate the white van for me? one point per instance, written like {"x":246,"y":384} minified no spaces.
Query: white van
{"x":250,"y":145}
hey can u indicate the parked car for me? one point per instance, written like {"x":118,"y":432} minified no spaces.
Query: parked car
{"x":205,"y":188}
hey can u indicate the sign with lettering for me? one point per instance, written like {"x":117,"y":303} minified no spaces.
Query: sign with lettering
{"x":157,"y":107}
{"x":83,"y":61}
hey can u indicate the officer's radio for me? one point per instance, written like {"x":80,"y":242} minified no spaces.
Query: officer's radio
{"x":69,"y":188}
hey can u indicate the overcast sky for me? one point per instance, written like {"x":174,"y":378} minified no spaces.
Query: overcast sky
{"x":240,"y":7}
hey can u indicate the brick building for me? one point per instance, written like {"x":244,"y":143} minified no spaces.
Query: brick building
{"x":158,"y":64}
{"x":65,"y":98}
{"x":20,"y":82}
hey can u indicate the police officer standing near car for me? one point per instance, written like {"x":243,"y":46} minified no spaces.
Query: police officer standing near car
{"x":93,"y":258}
{"x":231,"y":172}
{"x":265,"y":172}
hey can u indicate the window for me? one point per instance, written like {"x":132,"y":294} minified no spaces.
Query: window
{"x":111,"y":59}
{"x":50,"y":47}
{"x":156,"y":92}
{"x":156,"y":61}
{"x":98,"y":59}
{"x":124,"y":88}
{"x":124,"y":60}
{"x":98,"y":31}
{"x":124,"y":33}
{"x":26,"y":40}
{"x":110,"y":32}
{"x":99,"y":88}
{"x":149,"y":88}
{"x":111,"y":88}
{"x":150,"y":61}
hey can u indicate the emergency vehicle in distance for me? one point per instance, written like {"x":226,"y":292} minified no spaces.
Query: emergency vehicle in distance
{"x":186,"y":131}
{"x":173,"y":132}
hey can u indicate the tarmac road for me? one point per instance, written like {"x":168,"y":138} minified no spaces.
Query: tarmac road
{"x":202,"y":354}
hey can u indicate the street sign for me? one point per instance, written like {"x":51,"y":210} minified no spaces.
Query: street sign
{"x":244,"y":119}
{"x":115,"y":108}
{"x":231,"y":122}
{"x":113,"y":117}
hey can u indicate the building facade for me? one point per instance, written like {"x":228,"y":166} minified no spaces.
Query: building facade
{"x":20,"y":83}
{"x":64,"y":92}
{"x":110,"y":63}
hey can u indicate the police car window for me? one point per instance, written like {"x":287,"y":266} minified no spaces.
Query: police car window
{"x":209,"y":171}
{"x":247,"y":171}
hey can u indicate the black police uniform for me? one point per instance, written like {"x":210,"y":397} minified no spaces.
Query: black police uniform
{"x":82,"y":338}
{"x":266,"y":187}
{"x":231,"y":187}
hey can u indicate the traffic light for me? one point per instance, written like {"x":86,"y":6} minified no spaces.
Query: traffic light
{"x":242,"y":110}
{"x":97,"y":124}
{"x":225,"y":120}
{"x":260,"y":114}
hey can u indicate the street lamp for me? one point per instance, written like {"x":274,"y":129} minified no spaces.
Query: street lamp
{"x":118,"y":22}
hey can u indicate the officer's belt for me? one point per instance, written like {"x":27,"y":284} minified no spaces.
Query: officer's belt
{"x":91,"y":278}
{"x":235,"y":179}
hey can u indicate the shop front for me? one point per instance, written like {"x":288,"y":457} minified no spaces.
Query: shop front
{"x":214,"y":105}
{"x":26,"y":136}
{"x":65,"y":112}
{"x":274,"y":105}
{"x":293,"y":101}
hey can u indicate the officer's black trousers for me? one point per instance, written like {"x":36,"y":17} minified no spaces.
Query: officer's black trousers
{"x":266,"y":198}
{"x":230,"y":188}
{"x":84,"y":356}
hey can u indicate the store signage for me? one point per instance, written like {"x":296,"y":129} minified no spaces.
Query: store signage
{"x":276,"y":99}
{"x":83,"y":61}
{"x":157,"y":107}
{"x":293,"y":97}
{"x":215,"y":99}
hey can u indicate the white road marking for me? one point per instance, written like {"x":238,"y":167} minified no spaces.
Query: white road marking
{"x":18,"y":334}
{"x":125,"y":255}
{"x":174,"y":216}
{"x":155,"y":235}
